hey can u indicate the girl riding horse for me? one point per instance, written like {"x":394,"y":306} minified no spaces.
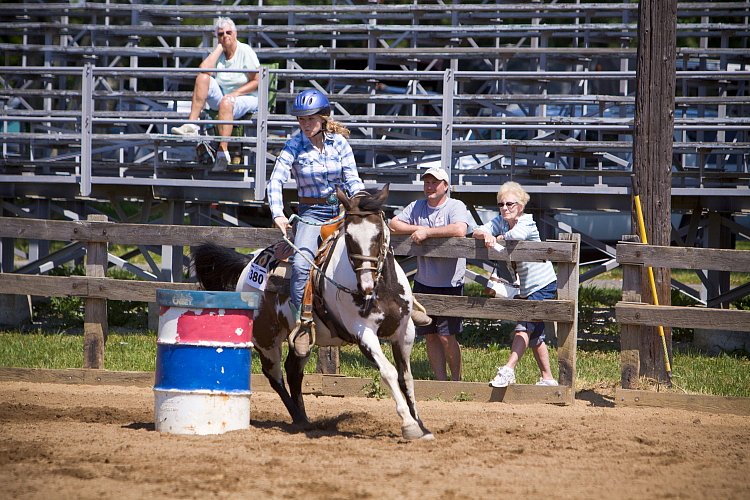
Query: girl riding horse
{"x":364,"y":297}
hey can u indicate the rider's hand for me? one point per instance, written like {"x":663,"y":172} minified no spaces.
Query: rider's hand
{"x":282,"y":223}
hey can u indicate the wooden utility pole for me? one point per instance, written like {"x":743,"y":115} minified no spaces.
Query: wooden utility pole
{"x":652,"y":154}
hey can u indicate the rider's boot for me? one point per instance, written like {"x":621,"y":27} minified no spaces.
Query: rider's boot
{"x":301,"y":337}
{"x":419,"y":314}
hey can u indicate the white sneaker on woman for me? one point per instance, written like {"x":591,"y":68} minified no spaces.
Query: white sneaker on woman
{"x":550,"y":382}
{"x":505,"y":376}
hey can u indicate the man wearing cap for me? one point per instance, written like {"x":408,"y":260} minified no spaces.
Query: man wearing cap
{"x":438,"y":216}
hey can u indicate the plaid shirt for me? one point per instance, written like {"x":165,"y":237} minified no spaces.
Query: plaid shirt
{"x":317,"y":174}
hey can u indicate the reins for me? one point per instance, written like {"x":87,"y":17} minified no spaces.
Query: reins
{"x":380,"y":259}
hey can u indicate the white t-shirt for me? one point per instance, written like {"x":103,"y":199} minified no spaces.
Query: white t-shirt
{"x":244,"y":58}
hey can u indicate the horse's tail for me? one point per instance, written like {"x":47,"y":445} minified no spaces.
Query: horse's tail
{"x":218,"y":268}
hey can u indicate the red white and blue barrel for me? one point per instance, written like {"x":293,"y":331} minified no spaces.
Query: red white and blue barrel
{"x":202,"y":379}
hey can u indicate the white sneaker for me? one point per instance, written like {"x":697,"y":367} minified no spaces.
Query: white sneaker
{"x":505,"y":376}
{"x":548,"y":382}
{"x":187,"y":129}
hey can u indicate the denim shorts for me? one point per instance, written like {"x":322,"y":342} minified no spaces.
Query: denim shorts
{"x":442,"y":325}
{"x":243,"y":104}
{"x":535,"y":329}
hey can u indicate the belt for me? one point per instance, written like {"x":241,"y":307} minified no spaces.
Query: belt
{"x":331,"y":200}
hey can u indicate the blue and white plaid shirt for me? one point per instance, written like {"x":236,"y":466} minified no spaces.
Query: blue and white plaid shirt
{"x":317,"y":174}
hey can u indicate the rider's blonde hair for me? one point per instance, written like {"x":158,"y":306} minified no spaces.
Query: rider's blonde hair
{"x":334,"y":127}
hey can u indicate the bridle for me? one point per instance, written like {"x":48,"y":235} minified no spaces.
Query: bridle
{"x":380,"y":259}
{"x":382,"y":252}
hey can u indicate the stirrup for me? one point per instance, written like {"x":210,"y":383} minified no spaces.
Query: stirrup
{"x":302,"y":337}
{"x":419,"y":314}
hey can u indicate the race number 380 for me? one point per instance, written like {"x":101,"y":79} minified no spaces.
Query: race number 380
{"x":257,"y":277}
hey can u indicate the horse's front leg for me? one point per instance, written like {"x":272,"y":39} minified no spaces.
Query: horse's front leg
{"x":295,"y":373}
{"x":411,"y":427}
{"x":402,"y":346}
{"x":270,"y":361}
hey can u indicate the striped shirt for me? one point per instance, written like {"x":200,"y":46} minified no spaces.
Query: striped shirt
{"x":317,"y":174}
{"x":532,"y":276}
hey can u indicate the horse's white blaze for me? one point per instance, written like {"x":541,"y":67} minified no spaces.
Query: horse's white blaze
{"x":364,"y":234}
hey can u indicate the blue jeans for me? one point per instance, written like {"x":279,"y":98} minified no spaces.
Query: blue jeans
{"x":535,"y":329}
{"x":306,"y":239}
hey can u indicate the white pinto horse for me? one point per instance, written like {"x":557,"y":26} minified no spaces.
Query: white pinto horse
{"x":362,"y":296}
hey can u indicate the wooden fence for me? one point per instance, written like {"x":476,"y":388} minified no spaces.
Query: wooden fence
{"x":633,"y":314}
{"x":95,"y":288}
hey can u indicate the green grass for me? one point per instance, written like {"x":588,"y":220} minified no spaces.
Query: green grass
{"x":56,"y":342}
{"x":726,"y":375}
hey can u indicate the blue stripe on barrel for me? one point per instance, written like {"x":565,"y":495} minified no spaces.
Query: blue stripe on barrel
{"x":189,"y":368}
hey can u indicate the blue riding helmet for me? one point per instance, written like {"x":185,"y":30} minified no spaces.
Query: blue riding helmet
{"x":311,"y":102}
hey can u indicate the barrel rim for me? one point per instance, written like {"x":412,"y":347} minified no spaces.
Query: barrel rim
{"x":201,"y":299}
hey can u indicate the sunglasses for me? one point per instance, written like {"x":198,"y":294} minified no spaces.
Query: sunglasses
{"x":222,"y":33}
{"x":507,"y":204}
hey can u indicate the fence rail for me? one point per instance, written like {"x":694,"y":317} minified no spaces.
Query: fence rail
{"x":633,"y":314}
{"x":96,"y":288}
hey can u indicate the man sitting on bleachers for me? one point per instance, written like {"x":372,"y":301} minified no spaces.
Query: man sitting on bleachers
{"x":232,"y":94}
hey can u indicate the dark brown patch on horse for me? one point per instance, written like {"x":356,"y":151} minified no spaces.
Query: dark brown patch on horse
{"x":272,"y":318}
{"x":391,"y":299}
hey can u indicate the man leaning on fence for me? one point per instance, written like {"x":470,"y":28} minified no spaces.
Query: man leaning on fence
{"x":438,"y":215}
{"x":233,"y":94}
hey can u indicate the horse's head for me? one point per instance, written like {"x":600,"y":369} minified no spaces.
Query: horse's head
{"x":366,"y":236}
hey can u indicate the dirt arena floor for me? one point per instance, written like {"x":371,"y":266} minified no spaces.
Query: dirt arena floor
{"x":62,"y":441}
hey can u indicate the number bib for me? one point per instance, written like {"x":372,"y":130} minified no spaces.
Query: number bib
{"x":261,"y":267}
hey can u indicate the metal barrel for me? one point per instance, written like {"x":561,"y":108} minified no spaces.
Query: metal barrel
{"x":203,"y":357}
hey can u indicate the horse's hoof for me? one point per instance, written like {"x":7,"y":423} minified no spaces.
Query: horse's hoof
{"x":303,"y":424}
{"x":414,"y":431}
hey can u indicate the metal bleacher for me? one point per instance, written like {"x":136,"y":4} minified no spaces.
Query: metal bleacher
{"x":538,"y":92}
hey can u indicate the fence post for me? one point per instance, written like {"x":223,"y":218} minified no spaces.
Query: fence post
{"x":567,"y":332}
{"x":87,"y":108}
{"x":630,"y":335}
{"x":446,"y":145}
{"x":261,"y":134}
{"x":95,"y":319}
{"x":328,"y":360}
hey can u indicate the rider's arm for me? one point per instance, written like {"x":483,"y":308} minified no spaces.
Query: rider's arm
{"x":349,"y":172}
{"x":281,"y":173}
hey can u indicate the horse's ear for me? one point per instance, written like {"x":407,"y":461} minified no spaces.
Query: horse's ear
{"x":343,"y":198}
{"x":382,"y":195}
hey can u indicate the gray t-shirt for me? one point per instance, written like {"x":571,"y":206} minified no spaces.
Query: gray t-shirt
{"x":438,"y":271}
